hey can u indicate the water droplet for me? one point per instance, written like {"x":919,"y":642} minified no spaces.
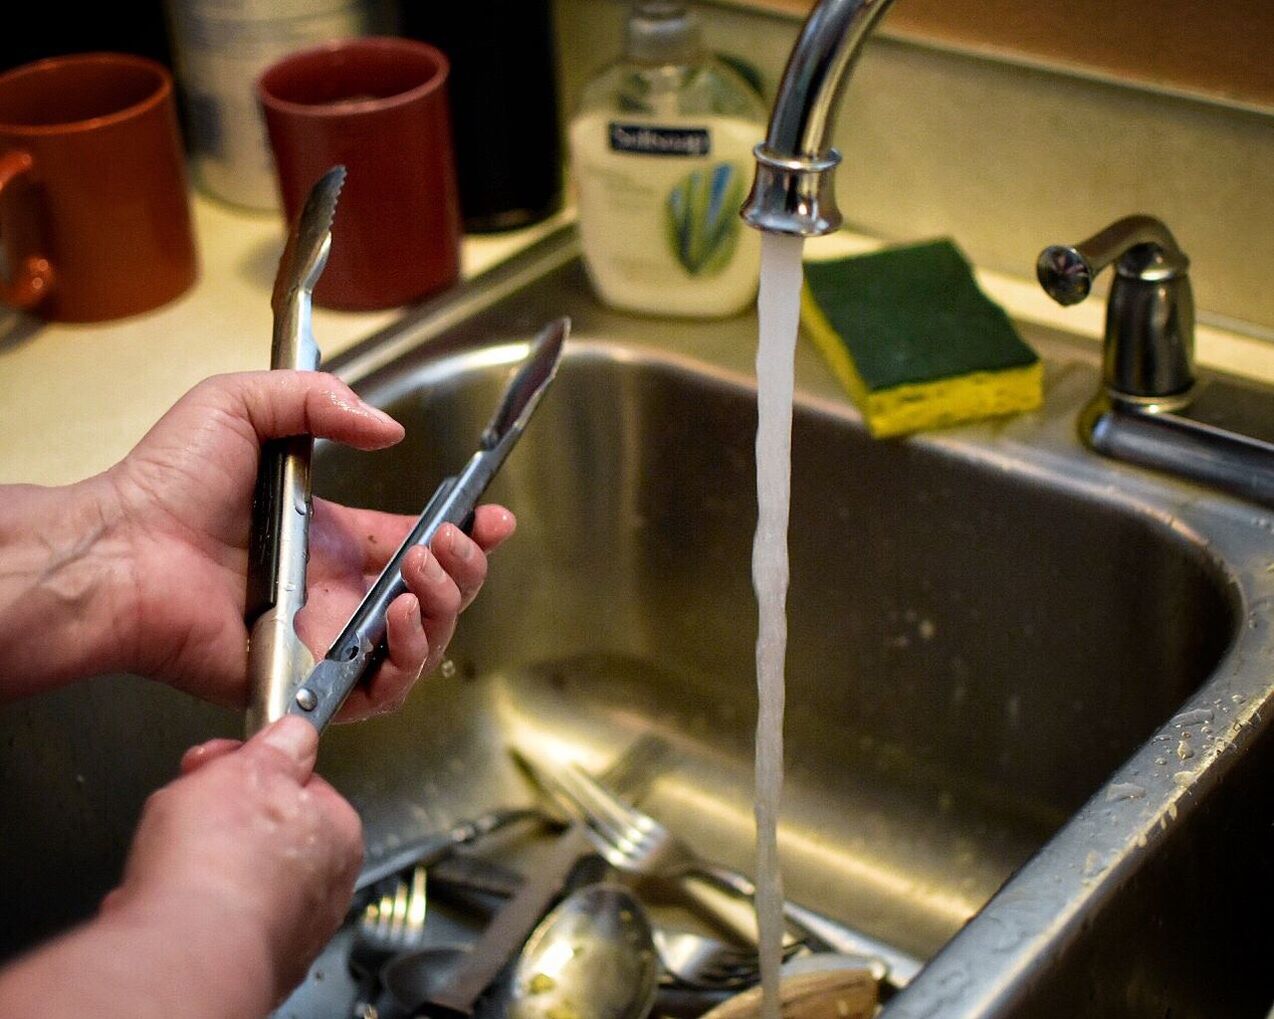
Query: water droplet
{"x":1118,"y":791}
{"x":1194,"y":717}
{"x":448,"y":668}
{"x":1237,"y":698}
{"x":1161,"y":761}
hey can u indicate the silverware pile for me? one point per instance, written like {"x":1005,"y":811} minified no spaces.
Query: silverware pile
{"x":606,"y":852}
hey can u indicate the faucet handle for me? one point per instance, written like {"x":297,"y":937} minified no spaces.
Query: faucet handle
{"x":1149,"y":346}
{"x":1144,"y":246}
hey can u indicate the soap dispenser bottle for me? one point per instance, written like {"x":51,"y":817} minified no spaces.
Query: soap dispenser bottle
{"x":661,"y":156}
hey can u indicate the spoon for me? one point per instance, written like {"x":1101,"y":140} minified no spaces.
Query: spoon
{"x":591,"y":958}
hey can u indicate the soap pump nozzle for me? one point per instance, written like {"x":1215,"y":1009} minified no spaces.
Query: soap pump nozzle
{"x":661,"y":32}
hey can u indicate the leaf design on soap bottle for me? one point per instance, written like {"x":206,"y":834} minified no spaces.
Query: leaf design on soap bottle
{"x":702,"y":218}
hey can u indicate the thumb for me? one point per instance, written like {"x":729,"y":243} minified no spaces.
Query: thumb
{"x":289,"y":745}
{"x":281,"y":403}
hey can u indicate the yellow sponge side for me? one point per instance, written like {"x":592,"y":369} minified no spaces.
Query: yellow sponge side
{"x":914,"y":407}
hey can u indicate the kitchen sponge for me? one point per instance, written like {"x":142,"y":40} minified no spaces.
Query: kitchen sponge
{"x":915,"y":342}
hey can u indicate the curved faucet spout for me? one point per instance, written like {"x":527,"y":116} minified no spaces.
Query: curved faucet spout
{"x":792,"y":192}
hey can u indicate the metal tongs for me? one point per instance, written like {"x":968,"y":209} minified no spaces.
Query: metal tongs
{"x":284,"y":676}
{"x":361,"y":645}
{"x":279,"y":544}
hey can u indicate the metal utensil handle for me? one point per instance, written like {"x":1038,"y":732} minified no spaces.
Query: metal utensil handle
{"x":283,"y":484}
{"x":825,"y":933}
{"x":361,"y":645}
{"x":278,"y":554}
{"x":429,"y":849}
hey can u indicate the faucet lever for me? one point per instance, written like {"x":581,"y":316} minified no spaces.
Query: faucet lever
{"x":1149,"y":344}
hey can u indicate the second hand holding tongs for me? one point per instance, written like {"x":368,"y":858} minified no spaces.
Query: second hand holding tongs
{"x":361,"y":644}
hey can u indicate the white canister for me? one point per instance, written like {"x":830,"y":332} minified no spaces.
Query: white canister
{"x":219,"y":49}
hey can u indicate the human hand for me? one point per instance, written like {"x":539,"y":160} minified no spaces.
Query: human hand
{"x":181,"y":500}
{"x":250,"y":849}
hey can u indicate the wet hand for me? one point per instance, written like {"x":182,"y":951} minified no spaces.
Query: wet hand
{"x":253,"y":846}
{"x":183,"y":499}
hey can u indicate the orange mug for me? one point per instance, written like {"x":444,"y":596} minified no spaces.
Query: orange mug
{"x":94,"y":208}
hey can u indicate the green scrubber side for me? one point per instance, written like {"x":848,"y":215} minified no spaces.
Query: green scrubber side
{"x":915,"y":341}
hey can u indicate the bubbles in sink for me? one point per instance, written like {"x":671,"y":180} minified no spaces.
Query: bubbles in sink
{"x":1193,"y":717}
{"x":1093,"y":864}
{"x":1005,"y":933}
{"x":1117,"y":791}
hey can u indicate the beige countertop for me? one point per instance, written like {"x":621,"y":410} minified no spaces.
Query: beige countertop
{"x":76,"y":398}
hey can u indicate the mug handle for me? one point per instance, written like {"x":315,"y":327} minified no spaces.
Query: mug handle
{"x":33,"y":275}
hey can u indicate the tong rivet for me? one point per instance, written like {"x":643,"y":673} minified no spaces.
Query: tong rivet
{"x":305,"y":699}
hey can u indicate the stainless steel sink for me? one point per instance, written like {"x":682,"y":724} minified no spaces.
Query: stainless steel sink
{"x":1010,"y":661}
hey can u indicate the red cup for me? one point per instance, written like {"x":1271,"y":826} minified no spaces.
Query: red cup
{"x":94,"y":208}
{"x":379,"y":107}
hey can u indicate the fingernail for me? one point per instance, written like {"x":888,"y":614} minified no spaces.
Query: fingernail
{"x":413,"y":611}
{"x":431,"y":568}
{"x":460,"y":545}
{"x":293,"y":736}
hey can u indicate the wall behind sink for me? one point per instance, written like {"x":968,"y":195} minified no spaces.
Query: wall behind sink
{"x":1007,"y":158}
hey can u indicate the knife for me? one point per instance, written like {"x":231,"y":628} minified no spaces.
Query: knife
{"x":633,"y":770}
{"x":507,"y":932}
{"x":361,"y":645}
{"x":278,"y":547}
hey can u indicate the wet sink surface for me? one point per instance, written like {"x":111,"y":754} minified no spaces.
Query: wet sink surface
{"x":991,"y":634}
{"x":954,"y":696}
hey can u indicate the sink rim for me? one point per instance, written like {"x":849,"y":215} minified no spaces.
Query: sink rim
{"x":1045,"y":903}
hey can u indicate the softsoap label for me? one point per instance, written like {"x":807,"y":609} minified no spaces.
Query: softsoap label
{"x":647,"y":140}
{"x":659,"y":211}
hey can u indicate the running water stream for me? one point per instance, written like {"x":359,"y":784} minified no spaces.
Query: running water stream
{"x":778,"y":306}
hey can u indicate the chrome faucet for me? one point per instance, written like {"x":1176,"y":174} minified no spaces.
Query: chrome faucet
{"x":792,"y":192}
{"x":1151,"y":410}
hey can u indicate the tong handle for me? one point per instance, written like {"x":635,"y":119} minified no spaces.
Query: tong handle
{"x":278,"y":552}
{"x":283,"y":484}
{"x":361,"y":645}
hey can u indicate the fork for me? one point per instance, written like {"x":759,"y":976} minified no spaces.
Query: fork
{"x":705,"y":963}
{"x":633,"y":841}
{"x":394,"y":921}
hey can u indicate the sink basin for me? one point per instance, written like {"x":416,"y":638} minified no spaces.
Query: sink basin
{"x":1024,"y":735}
